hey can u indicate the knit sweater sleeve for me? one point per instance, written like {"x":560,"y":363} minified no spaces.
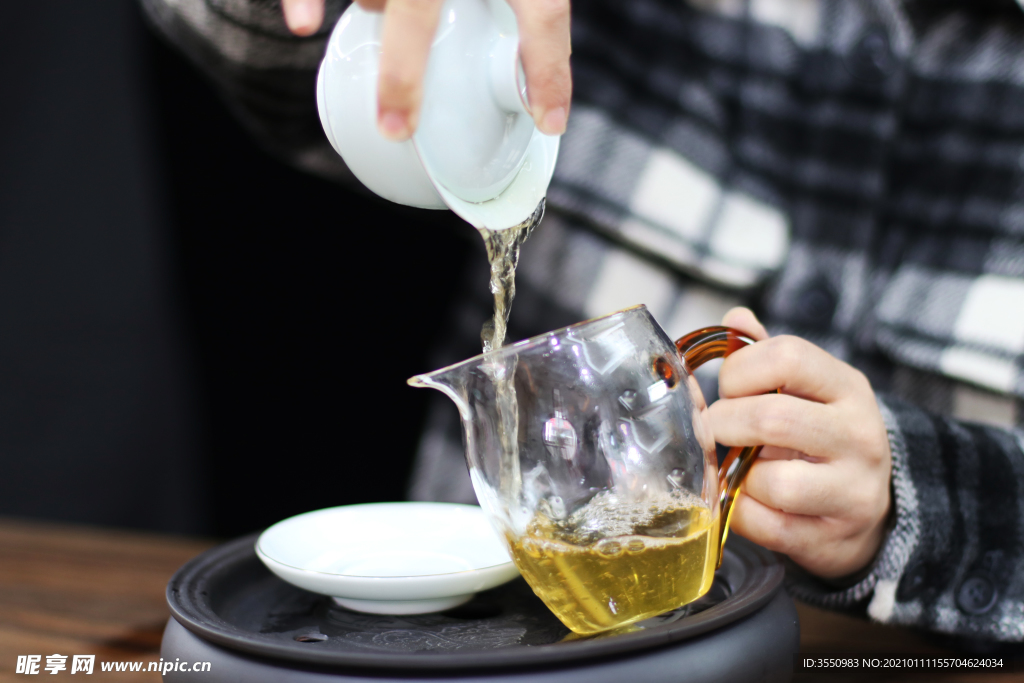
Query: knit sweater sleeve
{"x":265,"y":74}
{"x":952,"y":560}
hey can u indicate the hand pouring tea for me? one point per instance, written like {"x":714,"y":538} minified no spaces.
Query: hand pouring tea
{"x":604,"y":482}
{"x":476,"y":149}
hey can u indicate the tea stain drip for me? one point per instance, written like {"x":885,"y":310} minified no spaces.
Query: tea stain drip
{"x":503,"y":254}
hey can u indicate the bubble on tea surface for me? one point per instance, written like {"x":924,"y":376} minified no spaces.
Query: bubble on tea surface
{"x":608,"y":516}
{"x":635,"y":545}
{"x":554,"y":507}
{"x":609,"y":547}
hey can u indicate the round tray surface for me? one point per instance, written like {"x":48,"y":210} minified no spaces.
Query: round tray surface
{"x":227,"y":597}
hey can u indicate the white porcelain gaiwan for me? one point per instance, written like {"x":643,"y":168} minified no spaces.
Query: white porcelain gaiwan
{"x":389,"y":558}
{"x":476,"y":149}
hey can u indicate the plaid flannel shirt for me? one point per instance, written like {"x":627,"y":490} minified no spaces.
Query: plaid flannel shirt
{"x":852,"y":169}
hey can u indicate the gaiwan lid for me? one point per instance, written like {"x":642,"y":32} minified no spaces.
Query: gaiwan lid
{"x":476,"y":149}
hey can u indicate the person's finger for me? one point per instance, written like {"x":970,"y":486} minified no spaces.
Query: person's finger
{"x":372,"y":5}
{"x":800,"y":487}
{"x":744,"y":320}
{"x":409,"y":27}
{"x":779,"y":453}
{"x":303,"y":17}
{"x":778,"y":420}
{"x":794,"y":366}
{"x":779,"y":531}
{"x":825,"y":546}
{"x":544,"y":46}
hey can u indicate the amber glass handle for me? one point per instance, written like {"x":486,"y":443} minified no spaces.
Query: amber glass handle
{"x":698,"y":348}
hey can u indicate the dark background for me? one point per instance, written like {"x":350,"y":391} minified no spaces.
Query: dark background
{"x":194,"y":337}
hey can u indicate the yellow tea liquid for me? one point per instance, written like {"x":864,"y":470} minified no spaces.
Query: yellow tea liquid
{"x":611,"y":563}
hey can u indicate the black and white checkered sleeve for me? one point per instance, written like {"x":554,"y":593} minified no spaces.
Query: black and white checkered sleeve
{"x":952,"y":561}
{"x":266,"y":75}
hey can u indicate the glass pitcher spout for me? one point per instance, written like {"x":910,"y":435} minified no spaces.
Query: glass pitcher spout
{"x":449,"y":382}
{"x":483,"y":389}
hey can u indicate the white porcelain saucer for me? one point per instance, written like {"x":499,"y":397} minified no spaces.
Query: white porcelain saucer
{"x":389,"y":558}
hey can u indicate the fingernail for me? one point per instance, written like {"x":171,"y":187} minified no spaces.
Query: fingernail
{"x":300,"y":18}
{"x":394,"y":125}
{"x":553,"y":122}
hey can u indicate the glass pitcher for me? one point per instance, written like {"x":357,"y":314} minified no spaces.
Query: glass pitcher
{"x":590,"y":450}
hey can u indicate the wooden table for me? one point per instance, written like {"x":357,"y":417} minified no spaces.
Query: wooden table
{"x":80,"y":590}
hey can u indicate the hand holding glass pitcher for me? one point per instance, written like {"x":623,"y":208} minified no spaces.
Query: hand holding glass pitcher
{"x":591,"y":449}
{"x":819,"y":491}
